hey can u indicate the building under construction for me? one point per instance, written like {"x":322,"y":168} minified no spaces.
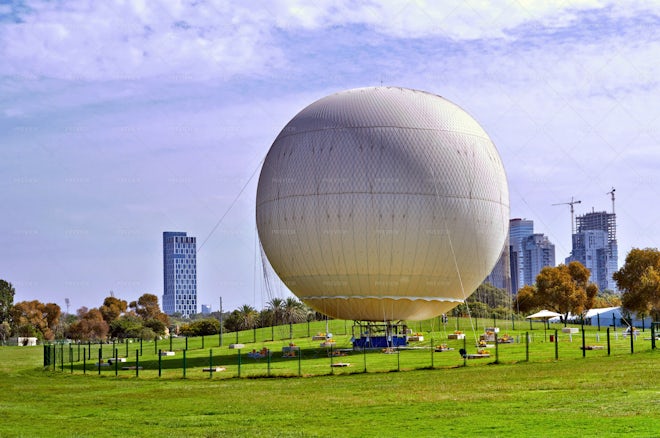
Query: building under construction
{"x":595,"y":246}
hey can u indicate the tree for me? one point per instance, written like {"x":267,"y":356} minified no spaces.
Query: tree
{"x":490,"y":295}
{"x":7,"y":293}
{"x":293,"y":311}
{"x":34,"y":317}
{"x":90,"y":326}
{"x":126,"y":326}
{"x":607,"y":298}
{"x":276,"y":307}
{"x":232,"y":322}
{"x":639,"y":279}
{"x":201,"y":327}
{"x":156,"y":325}
{"x":147,"y":308}
{"x":247,"y":317}
{"x":526,"y":299}
{"x":5,"y":331}
{"x":112,"y":308}
{"x":565,"y":289}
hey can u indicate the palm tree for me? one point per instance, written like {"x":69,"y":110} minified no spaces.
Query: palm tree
{"x":247,"y":317}
{"x":276,"y":306}
{"x":293,"y":311}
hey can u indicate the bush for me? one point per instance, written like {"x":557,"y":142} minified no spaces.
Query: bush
{"x":202,"y":327}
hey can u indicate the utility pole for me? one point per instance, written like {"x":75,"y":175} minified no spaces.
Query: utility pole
{"x":571,"y":203}
{"x":220,"y":321}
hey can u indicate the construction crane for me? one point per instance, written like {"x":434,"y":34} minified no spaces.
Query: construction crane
{"x":611,"y":192}
{"x":571,"y":203}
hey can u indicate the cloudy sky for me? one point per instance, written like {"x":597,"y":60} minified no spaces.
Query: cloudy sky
{"x":122,"y":119}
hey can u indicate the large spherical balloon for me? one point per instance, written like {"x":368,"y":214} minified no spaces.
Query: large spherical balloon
{"x":382,"y":204}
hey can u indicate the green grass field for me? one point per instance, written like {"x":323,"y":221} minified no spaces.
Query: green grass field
{"x":596,"y":395}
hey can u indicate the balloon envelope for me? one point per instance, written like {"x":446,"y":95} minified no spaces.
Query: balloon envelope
{"x":382,"y":204}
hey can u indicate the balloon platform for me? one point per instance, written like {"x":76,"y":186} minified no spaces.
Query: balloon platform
{"x":379,"y":335}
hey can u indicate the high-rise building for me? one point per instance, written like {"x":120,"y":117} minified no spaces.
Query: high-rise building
{"x":519,"y":229}
{"x":595,"y":246}
{"x":538,"y":252}
{"x":526,"y":254}
{"x":206,"y":309}
{"x":179,"y":273}
{"x":500,"y":276}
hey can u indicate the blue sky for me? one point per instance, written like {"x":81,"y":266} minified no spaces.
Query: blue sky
{"x":120,"y":120}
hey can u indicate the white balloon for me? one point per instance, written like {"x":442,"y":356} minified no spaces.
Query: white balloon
{"x":382,"y":204}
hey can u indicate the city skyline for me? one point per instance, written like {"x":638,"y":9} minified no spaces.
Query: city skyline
{"x":118,"y":121}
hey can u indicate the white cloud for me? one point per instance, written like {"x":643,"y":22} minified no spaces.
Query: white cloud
{"x":111,"y":40}
{"x":221,"y":39}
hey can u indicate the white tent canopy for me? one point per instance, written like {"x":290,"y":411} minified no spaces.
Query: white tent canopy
{"x":544,"y":314}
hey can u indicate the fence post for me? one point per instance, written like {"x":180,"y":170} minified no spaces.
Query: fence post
{"x":78,"y":352}
{"x":497,"y":348}
{"x":126,"y":342}
{"x":653,"y":324}
{"x":556,"y":346}
{"x":584,"y":347}
{"x":160,"y":362}
{"x":299,"y":359}
{"x":99,"y":364}
{"x":140,"y":346}
{"x":210,"y":363}
{"x":137,"y":364}
{"x":527,"y":345}
{"x":432,"y":354}
{"x":632,"y":338}
{"x":171,"y":343}
{"x":267,"y":363}
{"x":608,"y":341}
{"x":89,"y":350}
{"x":116,"y":364}
{"x":184,"y":364}
{"x":239,"y":362}
{"x":332,"y":369}
{"x":61,"y":357}
{"x":84,"y":361}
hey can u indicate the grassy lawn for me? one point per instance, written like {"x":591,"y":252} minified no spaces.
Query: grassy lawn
{"x":597,"y":395}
